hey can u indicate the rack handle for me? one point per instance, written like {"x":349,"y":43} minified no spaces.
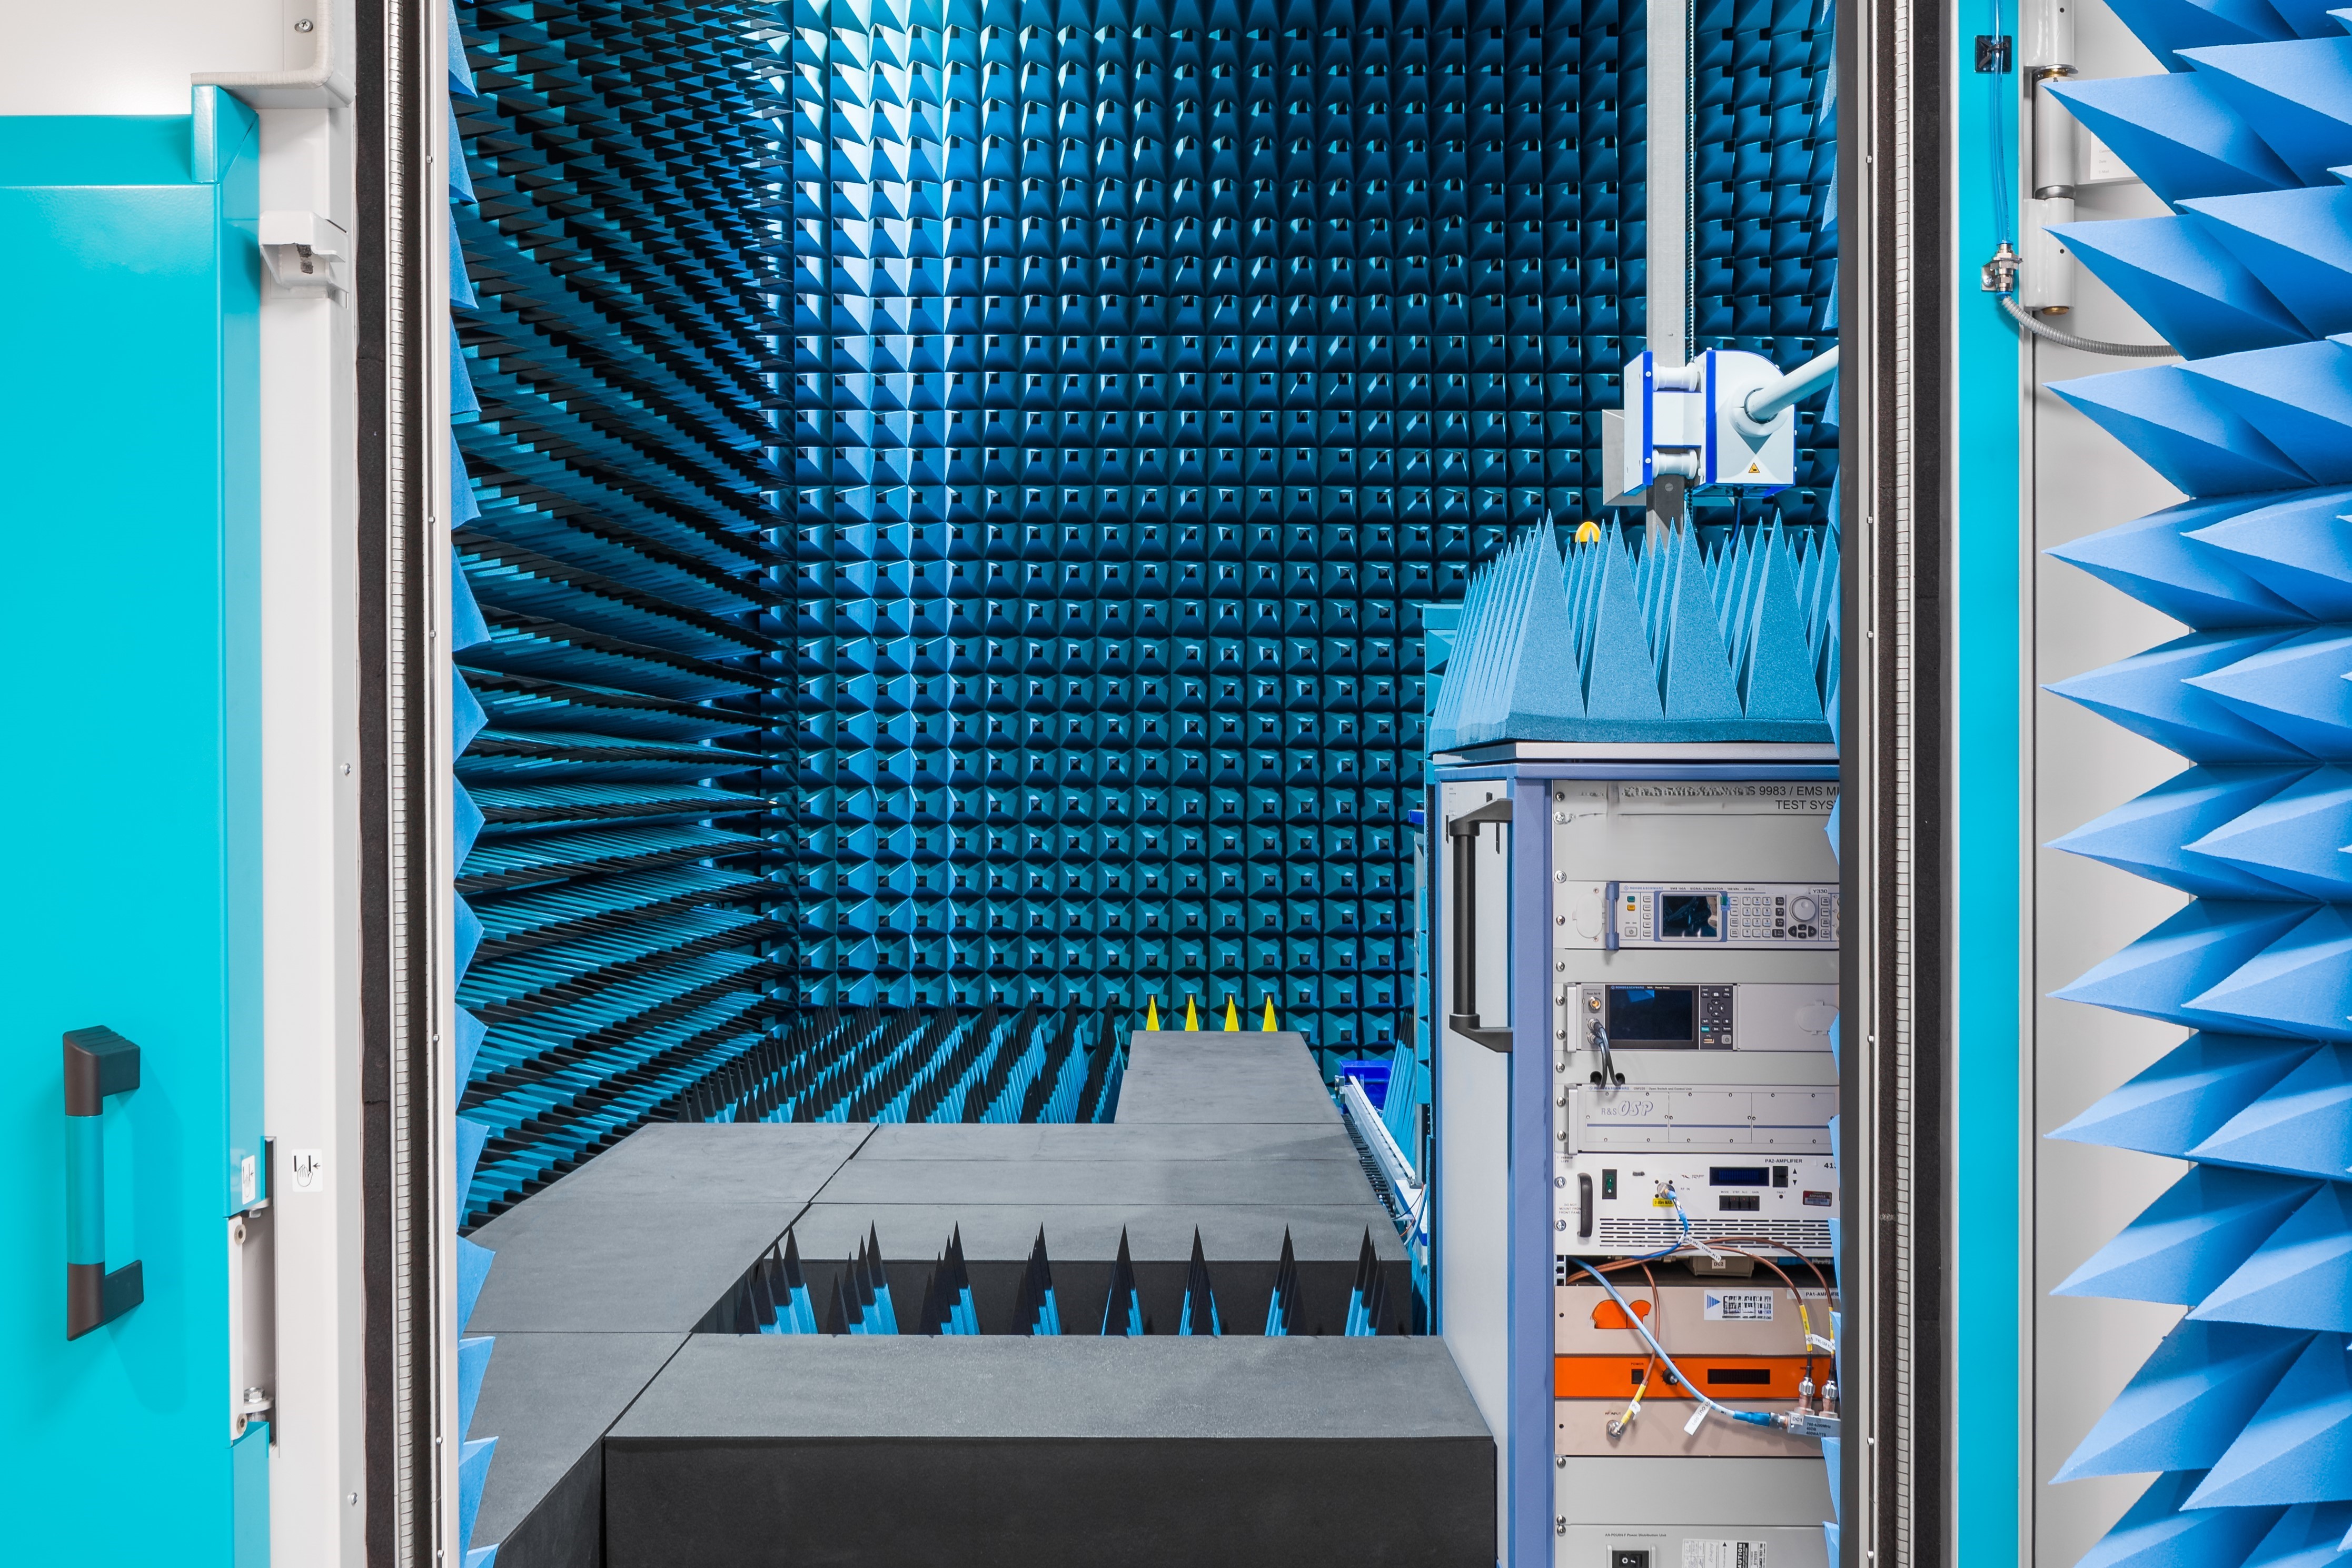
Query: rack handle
{"x":1462,"y":836}
{"x":98,"y":1063}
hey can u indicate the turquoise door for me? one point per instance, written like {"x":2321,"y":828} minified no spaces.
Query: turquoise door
{"x":129,"y":291}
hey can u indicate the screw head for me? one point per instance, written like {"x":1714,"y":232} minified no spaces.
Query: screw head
{"x":304,"y":26}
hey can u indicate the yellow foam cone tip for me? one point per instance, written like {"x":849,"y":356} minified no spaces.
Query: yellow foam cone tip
{"x":1151,"y":1015}
{"x":1233,"y":1017}
{"x":1269,"y":1016}
{"x":1192,"y":1016}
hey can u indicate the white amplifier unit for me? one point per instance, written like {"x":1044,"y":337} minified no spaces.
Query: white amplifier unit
{"x":1613,"y":1204}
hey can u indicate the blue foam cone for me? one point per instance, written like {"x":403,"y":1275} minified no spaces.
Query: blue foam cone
{"x":1621,"y":684}
{"x":1694,"y":673}
{"x":2152,"y":559}
{"x":473,"y":1361}
{"x":2298,"y":985}
{"x":2192,"y":1238}
{"x":2149,"y":837}
{"x":473,"y":1472}
{"x":473,"y":1268}
{"x":2184,"y":283}
{"x":2175,"y":424}
{"x":1540,"y":699}
{"x":2308,"y":1535}
{"x":2177,"y":133}
{"x":2149,"y":694}
{"x":466,"y":626}
{"x":2295,"y":689}
{"x":2154,"y":1531}
{"x":2187,"y":1095}
{"x":2296,"y":95}
{"x":2181,"y":1409}
{"x":2299,"y":397}
{"x":2293,"y":840}
{"x":2300,"y":1275}
{"x":2301,"y":1126}
{"x":468,"y":826}
{"x":467,"y":718}
{"x":471,"y":1136}
{"x":2297,"y":1447}
{"x":471,"y":1033}
{"x":2187,"y":954}
{"x":466,"y":934}
{"x":2296,"y":243}
{"x":2295,"y":544}
{"x":1776,"y":677}
{"x":2165,"y":25}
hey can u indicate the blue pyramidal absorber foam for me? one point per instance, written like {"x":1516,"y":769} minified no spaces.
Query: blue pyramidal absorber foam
{"x":2165,"y":25}
{"x":2300,"y":1275}
{"x":1694,"y":680}
{"x":2297,"y":546}
{"x":1776,"y":679}
{"x":473,"y":1268}
{"x":2190,"y":952}
{"x":2308,"y":1535}
{"x":2302,"y":1125}
{"x":2298,"y":396}
{"x":2178,"y":133}
{"x":2293,"y":839}
{"x":471,"y":1033}
{"x":2154,"y":1531}
{"x":471,"y":1136}
{"x":1620,"y":682}
{"x":2297,"y":94}
{"x":466,"y":626}
{"x":2154,"y":560}
{"x":473,"y":1470}
{"x":2184,"y":283}
{"x":2187,"y":1095}
{"x":2295,"y":689}
{"x":467,"y":823}
{"x":2174,"y":424}
{"x":2192,"y":1238}
{"x":2183,"y":1407}
{"x":2296,"y":985}
{"x":2297,"y":244}
{"x":467,"y":718}
{"x":2152,"y":837}
{"x":466,"y":936}
{"x":2149,"y":694}
{"x":473,"y":1360}
{"x":2297,"y":1447}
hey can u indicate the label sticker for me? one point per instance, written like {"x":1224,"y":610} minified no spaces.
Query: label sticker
{"x":1697,"y":1554}
{"x":1762,"y":798}
{"x":1739,"y":1306}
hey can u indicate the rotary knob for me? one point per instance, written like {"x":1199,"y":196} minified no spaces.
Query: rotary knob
{"x":1803,"y":910}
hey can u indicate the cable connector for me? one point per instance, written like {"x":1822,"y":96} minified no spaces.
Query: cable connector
{"x":1999,"y":275}
{"x":1801,"y":1422}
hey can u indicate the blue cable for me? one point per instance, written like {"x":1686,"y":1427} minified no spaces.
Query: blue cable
{"x":1998,"y":124}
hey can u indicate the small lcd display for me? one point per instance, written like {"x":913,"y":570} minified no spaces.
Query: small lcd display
{"x":1687,"y":917}
{"x":1737,"y":1176}
{"x":1652,"y":1017}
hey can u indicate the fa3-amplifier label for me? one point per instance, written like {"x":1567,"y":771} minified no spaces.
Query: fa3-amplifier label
{"x":1738,"y":1306}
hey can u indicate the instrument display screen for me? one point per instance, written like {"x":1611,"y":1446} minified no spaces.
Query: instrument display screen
{"x":1653,"y":1017}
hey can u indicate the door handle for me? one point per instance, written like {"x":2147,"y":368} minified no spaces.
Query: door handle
{"x":99,"y":1063}
{"x":1462,"y":840}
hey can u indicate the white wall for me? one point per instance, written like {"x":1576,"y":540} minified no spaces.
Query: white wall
{"x":2078,"y":481}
